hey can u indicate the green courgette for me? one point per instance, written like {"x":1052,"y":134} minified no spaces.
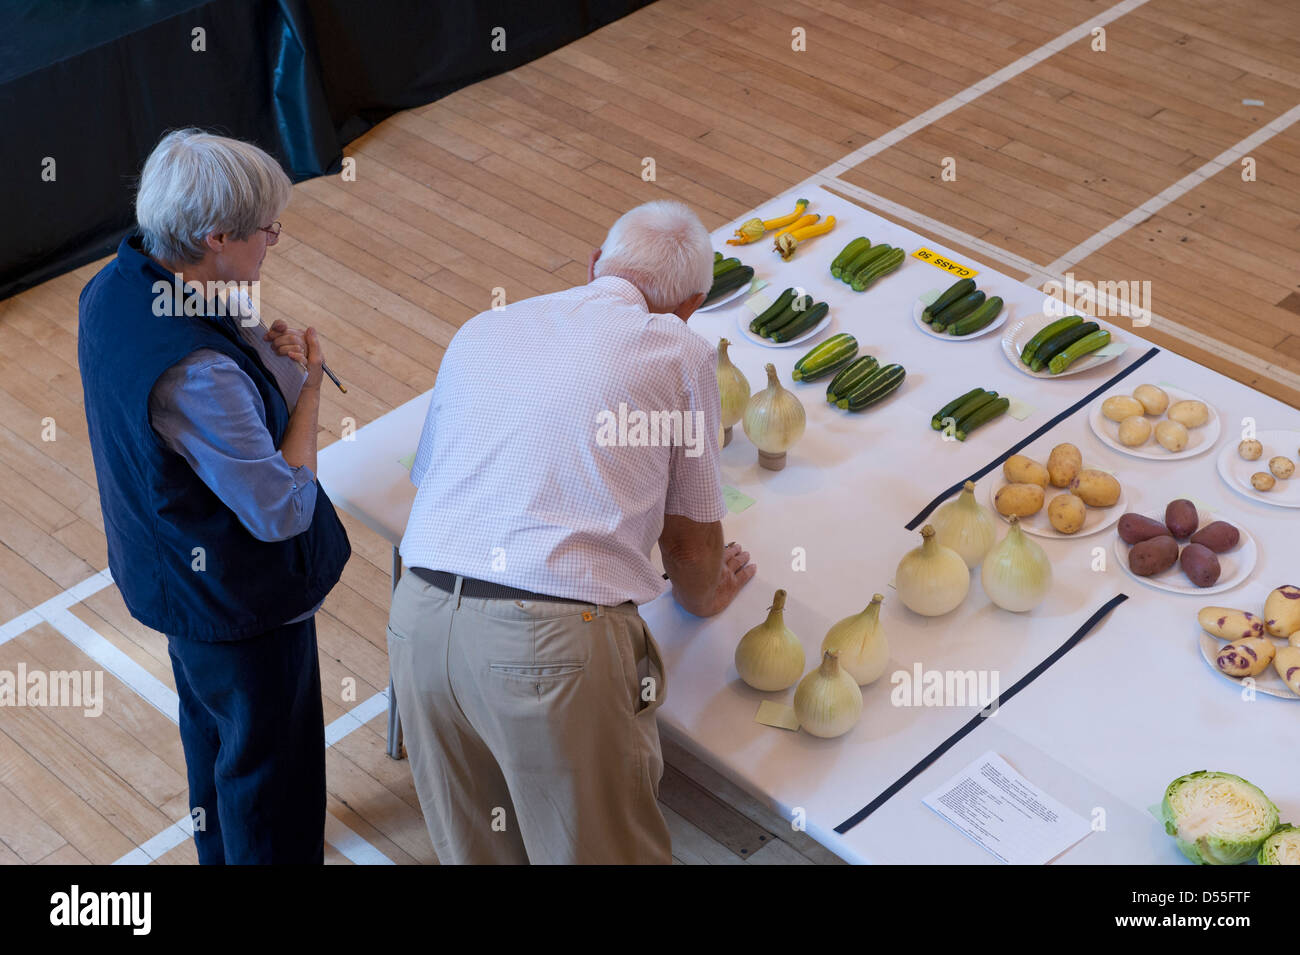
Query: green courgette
{"x":1089,"y":343}
{"x":836,"y":351}
{"x":885,"y":381}
{"x":982,"y":415}
{"x":725,"y":265}
{"x":848,"y":253}
{"x":982,"y":317}
{"x":852,"y":375}
{"x":1043,"y":334}
{"x":804,"y":322}
{"x":772,"y":311}
{"x":970,"y":406}
{"x":957,"y":311}
{"x":883,"y":266}
{"x":800,"y":306}
{"x":1059,"y":343}
{"x":729,"y":281}
{"x":958,"y":290}
{"x":936,"y":420}
{"x":862,"y":260}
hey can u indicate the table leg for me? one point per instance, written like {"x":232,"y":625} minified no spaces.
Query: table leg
{"x":395,"y":750}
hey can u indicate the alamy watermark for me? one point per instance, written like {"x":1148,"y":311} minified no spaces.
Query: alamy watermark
{"x":241,"y":300}
{"x":651,"y":429}
{"x":921,"y":687}
{"x":1125,"y":299}
{"x":63,"y":688}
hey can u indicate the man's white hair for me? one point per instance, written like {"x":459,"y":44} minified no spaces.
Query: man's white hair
{"x":196,"y":183}
{"x":663,"y":249}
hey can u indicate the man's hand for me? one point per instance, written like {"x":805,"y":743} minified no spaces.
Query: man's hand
{"x":287,"y":341}
{"x":735,"y":573}
{"x":591,"y":266}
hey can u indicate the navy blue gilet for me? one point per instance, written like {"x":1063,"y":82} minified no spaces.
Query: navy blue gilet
{"x":157,"y":511}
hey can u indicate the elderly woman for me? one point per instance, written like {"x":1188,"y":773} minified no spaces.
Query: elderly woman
{"x":526,"y":679}
{"x":203,"y":428}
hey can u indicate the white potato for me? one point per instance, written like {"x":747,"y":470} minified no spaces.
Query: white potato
{"x":1191,"y":414}
{"x":1119,"y":407}
{"x":1281,"y":467}
{"x":1153,"y":399}
{"x":1134,"y":431}
{"x":1171,"y":435}
{"x":1250,"y":450}
{"x":1262,"y":481}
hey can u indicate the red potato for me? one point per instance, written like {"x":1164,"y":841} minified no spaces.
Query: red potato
{"x":1134,"y":528}
{"x":1153,"y":556}
{"x":1200,"y":565}
{"x":1219,"y":536}
{"x":1181,"y":518}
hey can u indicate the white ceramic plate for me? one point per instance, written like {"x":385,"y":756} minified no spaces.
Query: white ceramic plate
{"x":1018,"y":334}
{"x":1236,"y":472}
{"x":918,"y":307}
{"x":1234,"y":566}
{"x":728,"y":298}
{"x":744,"y":318}
{"x":1269,"y":682}
{"x":1199,"y":439}
{"x":1097,"y":519}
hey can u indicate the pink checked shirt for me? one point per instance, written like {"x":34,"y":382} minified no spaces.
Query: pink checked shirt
{"x":562,"y":428}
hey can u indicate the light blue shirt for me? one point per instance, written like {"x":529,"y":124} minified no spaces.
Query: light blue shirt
{"x":206,"y":409}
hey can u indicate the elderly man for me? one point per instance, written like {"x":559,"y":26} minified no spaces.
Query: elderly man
{"x":203,"y":430}
{"x":526,"y":679}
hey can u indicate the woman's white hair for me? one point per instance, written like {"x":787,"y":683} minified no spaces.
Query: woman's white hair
{"x":196,"y":183}
{"x":663,"y":249}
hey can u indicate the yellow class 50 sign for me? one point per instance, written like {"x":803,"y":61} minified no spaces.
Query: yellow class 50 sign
{"x":948,"y":265}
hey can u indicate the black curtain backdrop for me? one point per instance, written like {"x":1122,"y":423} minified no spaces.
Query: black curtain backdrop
{"x":87,"y":87}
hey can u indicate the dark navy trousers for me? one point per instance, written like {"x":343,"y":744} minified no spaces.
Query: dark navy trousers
{"x":253,"y":731}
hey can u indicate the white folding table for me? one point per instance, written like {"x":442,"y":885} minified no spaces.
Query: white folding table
{"x":1104,"y":729}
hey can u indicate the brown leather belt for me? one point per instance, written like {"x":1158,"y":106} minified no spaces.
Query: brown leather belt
{"x":484,"y":589}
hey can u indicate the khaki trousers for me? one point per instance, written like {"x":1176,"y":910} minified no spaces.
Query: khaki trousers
{"x":530,"y":727}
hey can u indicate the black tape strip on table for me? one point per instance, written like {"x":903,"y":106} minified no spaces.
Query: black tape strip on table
{"x":1085,"y":400}
{"x":980,"y":717}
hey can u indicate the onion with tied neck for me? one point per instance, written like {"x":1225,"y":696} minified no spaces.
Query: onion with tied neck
{"x":769,"y":656}
{"x":774,"y":421}
{"x":733,"y":388}
{"x":828,"y":701}
{"x":932,"y":579}
{"x":860,"y":642}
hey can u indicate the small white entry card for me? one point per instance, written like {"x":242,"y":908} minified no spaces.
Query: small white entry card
{"x":1004,"y":813}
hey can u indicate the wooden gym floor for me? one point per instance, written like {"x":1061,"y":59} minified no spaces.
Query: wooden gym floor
{"x":512,"y":181}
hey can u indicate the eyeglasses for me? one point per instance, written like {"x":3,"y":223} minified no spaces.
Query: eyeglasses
{"x":272,"y":231}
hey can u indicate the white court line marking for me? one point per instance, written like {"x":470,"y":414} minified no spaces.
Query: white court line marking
{"x":60,"y":602}
{"x":154,"y":692}
{"x":1189,"y":182}
{"x":958,"y":100}
{"x":354,"y":846}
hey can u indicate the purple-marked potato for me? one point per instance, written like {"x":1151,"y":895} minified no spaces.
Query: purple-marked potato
{"x":1096,"y":488}
{"x":1181,"y":518}
{"x":1067,"y":513}
{"x":1282,"y":468}
{"x":1262,"y":481}
{"x":1228,"y":624}
{"x":1019,"y":469}
{"x":1063,"y":464}
{"x":1219,"y":536}
{"x":1287,"y":663}
{"x":1135,"y":528}
{"x":1282,"y":611}
{"x":1250,"y":450}
{"x":1201,"y":565}
{"x":1248,"y":657}
{"x":1153,"y":556}
{"x":1022,"y":500}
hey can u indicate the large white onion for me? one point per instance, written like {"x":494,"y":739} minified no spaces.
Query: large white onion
{"x":774,"y":421}
{"x":932,"y":579}
{"x":1017,"y":573}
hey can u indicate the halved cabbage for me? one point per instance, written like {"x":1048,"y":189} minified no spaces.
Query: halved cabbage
{"x":1282,"y":847}
{"x":1217,"y":818}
